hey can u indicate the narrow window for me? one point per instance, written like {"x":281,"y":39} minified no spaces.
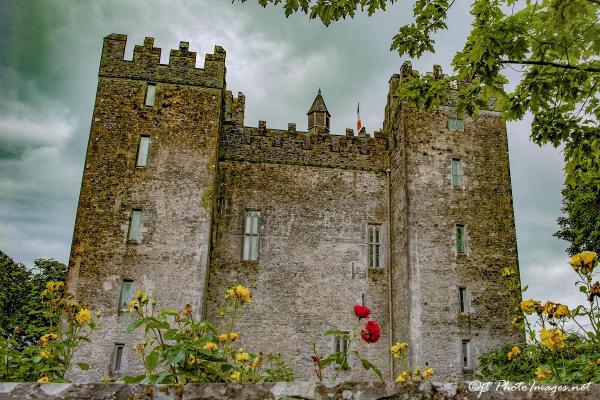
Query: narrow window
{"x":118,"y":357}
{"x":455,"y":124}
{"x":134,"y":225}
{"x":456,"y":173}
{"x":464,"y":299}
{"x":460,"y":239}
{"x":150,"y":94}
{"x":374,"y":246}
{"x":142,"y":157}
{"x":466,"y":354}
{"x":250,"y":252}
{"x":126,"y":293}
{"x":341,"y":343}
{"x":363,"y":301}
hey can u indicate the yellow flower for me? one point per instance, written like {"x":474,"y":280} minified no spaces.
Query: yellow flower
{"x":187,"y":310}
{"x":139,"y":294}
{"x":417,"y":371}
{"x":517,"y":320}
{"x":542,"y":373}
{"x":427,"y":372}
{"x":548,"y":308}
{"x":43,"y":379}
{"x":242,"y":293}
{"x":242,"y":356}
{"x":515,"y":351}
{"x":528,"y":306}
{"x":195,"y":360}
{"x":230,"y":293}
{"x":552,"y":338}
{"x":233,"y":336}
{"x":397,"y":349}
{"x":222,"y":337}
{"x":83,"y":317}
{"x":584,"y":262}
{"x":47,"y":338}
{"x":403,"y":377}
{"x":54,"y":285}
{"x":45,"y":354}
{"x":210,"y":346}
{"x":561,"y":311}
{"x":256,"y":362}
{"x":236,"y":376}
{"x":133,"y":305}
{"x":508,"y":271}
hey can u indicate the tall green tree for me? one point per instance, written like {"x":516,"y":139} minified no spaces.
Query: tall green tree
{"x":554,"y":43}
{"x":21,"y":308}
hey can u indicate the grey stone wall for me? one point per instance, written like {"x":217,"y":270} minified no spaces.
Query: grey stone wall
{"x":312,"y":265}
{"x":288,"y":391}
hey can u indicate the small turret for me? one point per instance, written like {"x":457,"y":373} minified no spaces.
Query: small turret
{"x":318,"y":116}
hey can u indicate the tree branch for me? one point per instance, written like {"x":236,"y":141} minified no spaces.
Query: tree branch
{"x":552,"y":64}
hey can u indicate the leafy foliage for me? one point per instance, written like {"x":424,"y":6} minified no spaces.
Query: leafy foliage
{"x":21,"y":302}
{"x":554,"y":43}
{"x":554,"y":352}
{"x":47,"y":360}
{"x":581,"y":225}
{"x":179,"y":349}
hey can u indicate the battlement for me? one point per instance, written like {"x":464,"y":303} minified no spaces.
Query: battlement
{"x":317,"y":148}
{"x":146,"y":65}
{"x":406,"y":70}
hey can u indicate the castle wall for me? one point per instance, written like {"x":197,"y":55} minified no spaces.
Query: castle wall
{"x":312,"y":265}
{"x":174,"y":193}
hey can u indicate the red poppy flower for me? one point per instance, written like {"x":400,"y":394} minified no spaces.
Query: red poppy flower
{"x":315,"y":359}
{"x":371,"y":333}
{"x":362,"y":311}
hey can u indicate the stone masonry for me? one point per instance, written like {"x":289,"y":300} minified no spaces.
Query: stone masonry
{"x":317,"y":193}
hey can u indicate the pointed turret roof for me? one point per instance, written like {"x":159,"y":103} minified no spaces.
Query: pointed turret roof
{"x":318,"y":105}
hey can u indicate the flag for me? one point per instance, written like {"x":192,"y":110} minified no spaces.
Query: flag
{"x":358,"y":122}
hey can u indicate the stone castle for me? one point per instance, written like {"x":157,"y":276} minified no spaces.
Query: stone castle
{"x":182,"y":200}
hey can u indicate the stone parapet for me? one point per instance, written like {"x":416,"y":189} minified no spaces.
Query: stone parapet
{"x":288,"y":391}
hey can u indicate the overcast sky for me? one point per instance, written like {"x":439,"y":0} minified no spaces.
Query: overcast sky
{"x":49,"y":56}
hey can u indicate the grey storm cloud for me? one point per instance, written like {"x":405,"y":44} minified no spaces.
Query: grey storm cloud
{"x":49,"y":59}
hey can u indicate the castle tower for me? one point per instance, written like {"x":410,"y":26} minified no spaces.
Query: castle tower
{"x":318,"y":116}
{"x":145,"y":207}
{"x":452,"y":232}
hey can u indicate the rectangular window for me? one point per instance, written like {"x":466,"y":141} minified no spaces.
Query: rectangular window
{"x":150,"y":94}
{"x":126,"y":293}
{"x":466,"y":354}
{"x":374,"y":232}
{"x":118,"y":357}
{"x":456,"y":173}
{"x":460,"y":239}
{"x":142,"y":156}
{"x":340,"y":343}
{"x":455,"y":124}
{"x":464,"y":300}
{"x":134,"y":225}
{"x":250,"y":251}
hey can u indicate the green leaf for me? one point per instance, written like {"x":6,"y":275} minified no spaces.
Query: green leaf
{"x":583,"y":289}
{"x":368,"y":366}
{"x":151,"y":361}
{"x":324,"y":362}
{"x":174,"y":355}
{"x":135,"y":324}
{"x":83,"y":366}
{"x":337,"y":332}
{"x":133,"y":379}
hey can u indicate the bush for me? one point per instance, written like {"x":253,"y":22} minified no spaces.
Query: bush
{"x":554,"y":353}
